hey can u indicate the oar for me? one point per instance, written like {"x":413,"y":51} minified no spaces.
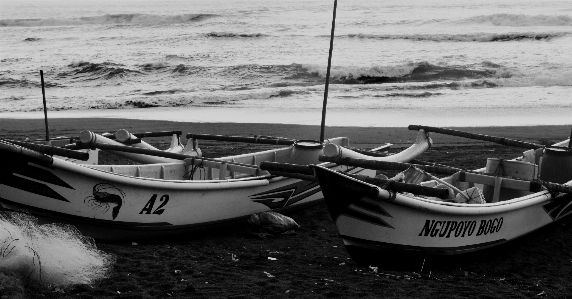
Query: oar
{"x":299,"y":171}
{"x":51,"y":150}
{"x":447,"y":170}
{"x":138,"y":135}
{"x":373,"y":153}
{"x":402,"y":187}
{"x":256,"y":139}
{"x":303,"y":172}
{"x":383,"y":165}
{"x":6,"y":146}
{"x":150,"y":152}
{"x":277,"y":141}
{"x":499,"y":140}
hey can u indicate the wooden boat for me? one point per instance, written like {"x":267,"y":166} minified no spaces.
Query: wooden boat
{"x":379,"y":225}
{"x":130,"y":202}
{"x":393,"y":224}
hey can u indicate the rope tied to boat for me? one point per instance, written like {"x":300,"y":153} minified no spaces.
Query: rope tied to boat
{"x":388,"y":187}
{"x":191,"y":173}
{"x":499,"y":171}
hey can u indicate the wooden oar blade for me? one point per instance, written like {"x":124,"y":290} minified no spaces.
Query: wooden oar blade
{"x":394,"y":186}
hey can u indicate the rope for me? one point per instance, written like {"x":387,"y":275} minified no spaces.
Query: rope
{"x":191,"y":174}
{"x":499,"y":171}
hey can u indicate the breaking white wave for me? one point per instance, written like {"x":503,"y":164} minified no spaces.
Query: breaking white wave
{"x":134,"y":54}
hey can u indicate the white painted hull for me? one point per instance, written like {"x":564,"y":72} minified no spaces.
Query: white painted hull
{"x":138,"y":208}
{"x":127,"y":202}
{"x":373,"y":222}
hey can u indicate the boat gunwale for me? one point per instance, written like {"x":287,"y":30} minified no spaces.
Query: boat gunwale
{"x":440,"y":207}
{"x":183,"y":185}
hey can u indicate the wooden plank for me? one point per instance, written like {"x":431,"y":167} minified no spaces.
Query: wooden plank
{"x":490,"y":180}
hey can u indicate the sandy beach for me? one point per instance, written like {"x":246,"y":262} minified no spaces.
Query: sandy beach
{"x":233,"y":262}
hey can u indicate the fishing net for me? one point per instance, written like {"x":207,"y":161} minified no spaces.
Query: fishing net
{"x":51,"y":254}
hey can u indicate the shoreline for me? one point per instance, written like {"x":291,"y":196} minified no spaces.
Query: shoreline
{"x":394,"y":117}
{"x":359,"y":136}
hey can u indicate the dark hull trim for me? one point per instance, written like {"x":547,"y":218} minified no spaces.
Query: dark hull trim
{"x":418,"y":250}
{"x":129,"y":231}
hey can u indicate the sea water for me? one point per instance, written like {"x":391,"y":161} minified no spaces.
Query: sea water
{"x":394,"y":62}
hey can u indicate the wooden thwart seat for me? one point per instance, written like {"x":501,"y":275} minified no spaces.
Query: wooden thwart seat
{"x":499,"y":183}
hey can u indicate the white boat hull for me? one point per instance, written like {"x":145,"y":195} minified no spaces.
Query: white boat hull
{"x":104,"y":205}
{"x":404,"y":225}
{"x":128,"y":202}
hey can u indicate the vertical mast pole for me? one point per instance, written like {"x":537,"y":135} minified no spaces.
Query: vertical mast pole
{"x":45,"y":108}
{"x":328,"y":74}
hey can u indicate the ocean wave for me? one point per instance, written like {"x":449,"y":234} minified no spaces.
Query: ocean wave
{"x":521,"y":20}
{"x":139,"y":19}
{"x":545,"y":78}
{"x":23,"y":83}
{"x":183,"y":69}
{"x":478,"y":37}
{"x":111,"y":104}
{"x":286,"y":93}
{"x":412,"y":72}
{"x":95,"y":71}
{"x":161,"y":92}
{"x":425,"y":94}
{"x":234,"y":35}
{"x":151,"y":66}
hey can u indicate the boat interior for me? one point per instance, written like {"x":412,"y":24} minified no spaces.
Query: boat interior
{"x":231,"y":167}
{"x":503,"y":180}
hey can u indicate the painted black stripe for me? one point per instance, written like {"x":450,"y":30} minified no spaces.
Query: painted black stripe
{"x":365,"y":218}
{"x":304,"y":195}
{"x":559,"y":207}
{"x":18,"y":164}
{"x":291,"y":194}
{"x":273,"y":195}
{"x":371,"y":205}
{"x":383,"y":246}
{"x":40,"y":174}
{"x":30,"y":186}
{"x":341,"y":193}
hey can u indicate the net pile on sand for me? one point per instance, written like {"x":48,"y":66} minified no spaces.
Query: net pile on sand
{"x":51,"y":254}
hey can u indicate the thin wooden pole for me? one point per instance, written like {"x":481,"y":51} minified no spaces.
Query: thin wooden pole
{"x":328,"y":73}
{"x":45,"y":108}
{"x":499,"y":140}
